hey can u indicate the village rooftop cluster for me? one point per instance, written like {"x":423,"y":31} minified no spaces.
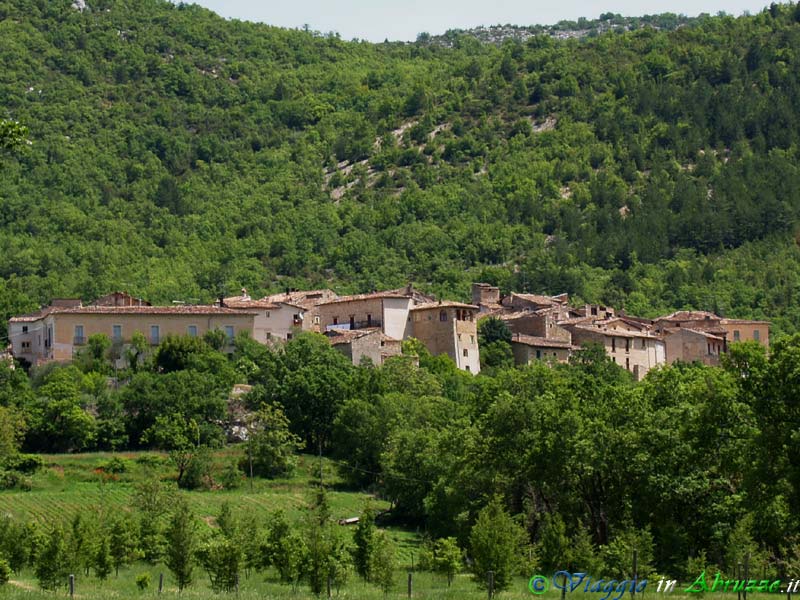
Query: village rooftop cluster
{"x":372,"y":326}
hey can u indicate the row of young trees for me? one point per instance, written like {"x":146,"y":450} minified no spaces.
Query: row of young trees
{"x":162,"y":529}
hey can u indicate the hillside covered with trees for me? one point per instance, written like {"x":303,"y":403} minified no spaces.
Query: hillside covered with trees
{"x":176,"y":155}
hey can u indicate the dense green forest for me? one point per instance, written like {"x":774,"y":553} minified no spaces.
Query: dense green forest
{"x":176,"y":155}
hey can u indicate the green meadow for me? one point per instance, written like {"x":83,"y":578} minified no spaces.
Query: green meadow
{"x":71,"y":483}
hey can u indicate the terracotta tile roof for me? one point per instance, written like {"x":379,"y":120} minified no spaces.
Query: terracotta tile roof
{"x":31,"y":317}
{"x":132,"y":310}
{"x":689,"y":315}
{"x":369,"y":296}
{"x":593,"y":328}
{"x":247,"y":302}
{"x":536,"y":298}
{"x":443,"y":304}
{"x":302,"y":299}
{"x":345,"y":336}
{"x":532,"y":340}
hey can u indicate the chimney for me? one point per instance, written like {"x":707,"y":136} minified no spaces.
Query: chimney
{"x":485,"y":294}
{"x":221,"y":301}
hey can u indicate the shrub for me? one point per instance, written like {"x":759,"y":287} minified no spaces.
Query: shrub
{"x":143,"y":581}
{"x":232,"y":476}
{"x":24,"y":463}
{"x":5,"y":571}
{"x":115,"y":465}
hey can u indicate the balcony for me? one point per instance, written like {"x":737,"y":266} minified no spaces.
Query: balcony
{"x":356,"y":324}
{"x":78,"y":340}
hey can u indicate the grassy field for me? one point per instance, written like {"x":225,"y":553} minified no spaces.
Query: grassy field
{"x":75,"y":482}
{"x":425,"y":586}
{"x":72,"y":482}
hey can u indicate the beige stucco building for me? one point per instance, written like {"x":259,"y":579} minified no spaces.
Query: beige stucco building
{"x":273,"y":321}
{"x":56,"y":332}
{"x":627,"y":343}
{"x":743,"y":330}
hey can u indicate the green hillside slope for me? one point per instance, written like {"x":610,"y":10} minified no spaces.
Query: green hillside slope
{"x":178,"y":155}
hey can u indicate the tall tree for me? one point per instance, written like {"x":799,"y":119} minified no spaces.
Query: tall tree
{"x":181,"y":541}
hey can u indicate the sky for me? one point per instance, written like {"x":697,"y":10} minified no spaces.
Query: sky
{"x":376,"y":20}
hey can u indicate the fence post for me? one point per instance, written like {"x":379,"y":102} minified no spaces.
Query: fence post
{"x":71,"y":586}
{"x":160,"y":583}
{"x":635,"y":569}
{"x":564,"y":588}
{"x":410,"y":585}
{"x":746,"y":573}
{"x":490,"y":575}
{"x":739,"y":577}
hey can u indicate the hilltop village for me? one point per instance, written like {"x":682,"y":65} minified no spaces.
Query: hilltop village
{"x":372,"y":326}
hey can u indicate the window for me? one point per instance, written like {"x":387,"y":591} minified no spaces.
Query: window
{"x":24,"y":329}
{"x":229,"y":333}
{"x":735,"y":335}
{"x":116,"y":333}
{"x":756,"y":335}
{"x":466,"y":352}
{"x":628,"y":364}
{"x":594,"y":310}
{"x":316,"y":320}
{"x":267,"y":314}
{"x":79,"y":339}
{"x":335,"y":320}
{"x":443,"y":315}
{"x":709,"y":348}
{"x":192,"y":330}
{"x":472,"y":339}
{"x":613,"y":344}
{"x":26,"y":345}
{"x":269,"y":335}
{"x":627,"y":344}
{"x":644,"y":343}
{"x":467,"y":367}
{"x":288,"y":336}
{"x":369,"y":320}
{"x":352,"y":322}
{"x":154,"y":334}
{"x":538,"y":354}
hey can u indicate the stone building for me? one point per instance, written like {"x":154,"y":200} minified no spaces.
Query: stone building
{"x":448,"y":328}
{"x":527,"y":348}
{"x":360,"y":344}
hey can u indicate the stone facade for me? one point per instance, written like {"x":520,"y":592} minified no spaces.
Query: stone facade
{"x":449,"y":328}
{"x":360,"y":344}
{"x":527,"y":348}
{"x":690,"y":345}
